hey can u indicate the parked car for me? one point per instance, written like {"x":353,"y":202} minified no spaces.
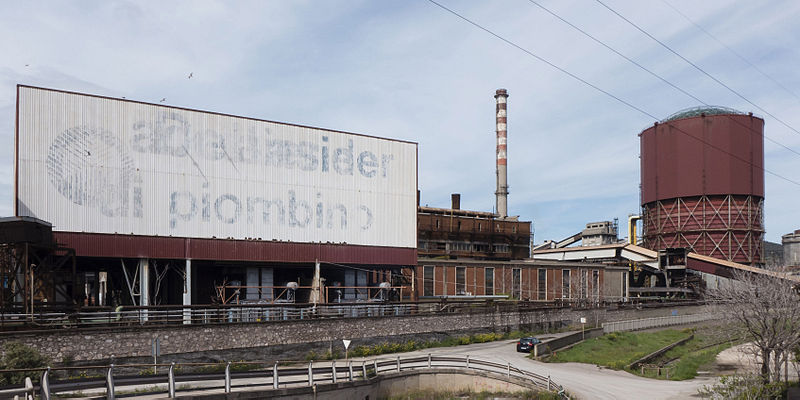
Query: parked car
{"x":526,"y":344}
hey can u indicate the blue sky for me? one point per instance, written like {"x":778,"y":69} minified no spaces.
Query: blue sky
{"x":410,"y":70}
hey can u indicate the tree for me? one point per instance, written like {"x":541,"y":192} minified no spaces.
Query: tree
{"x":19,"y":356}
{"x":765,"y":308}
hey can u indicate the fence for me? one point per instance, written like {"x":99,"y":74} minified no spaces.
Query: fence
{"x":275,"y":377}
{"x":224,"y":314}
{"x":657,"y":322}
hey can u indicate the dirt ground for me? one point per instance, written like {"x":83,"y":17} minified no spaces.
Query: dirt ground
{"x":740,"y":359}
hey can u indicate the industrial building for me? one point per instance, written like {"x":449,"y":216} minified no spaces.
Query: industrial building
{"x":473,"y":254}
{"x":165,"y":205}
{"x":702,"y":186}
{"x":791,"y":249}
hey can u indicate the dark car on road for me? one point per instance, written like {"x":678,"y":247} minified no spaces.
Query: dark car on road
{"x":526,"y":344}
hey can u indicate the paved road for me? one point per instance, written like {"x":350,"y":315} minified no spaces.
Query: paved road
{"x":587,"y":382}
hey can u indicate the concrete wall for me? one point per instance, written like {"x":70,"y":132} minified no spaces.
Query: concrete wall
{"x":386,"y":385}
{"x":549,"y":346}
{"x":262,"y":340}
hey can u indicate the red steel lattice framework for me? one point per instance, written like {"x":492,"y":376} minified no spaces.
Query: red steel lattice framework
{"x":726,"y":227}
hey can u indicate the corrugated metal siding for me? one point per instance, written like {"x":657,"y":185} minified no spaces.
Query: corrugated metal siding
{"x":93,"y":164}
{"x":675,"y":163}
{"x":110,"y":245}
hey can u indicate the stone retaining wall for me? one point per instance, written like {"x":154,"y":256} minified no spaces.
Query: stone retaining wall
{"x":135,"y":342}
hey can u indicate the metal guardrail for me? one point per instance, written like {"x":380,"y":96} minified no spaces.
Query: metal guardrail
{"x":55,"y":318}
{"x":248,"y":313}
{"x":278,"y":376}
{"x":657,"y":322}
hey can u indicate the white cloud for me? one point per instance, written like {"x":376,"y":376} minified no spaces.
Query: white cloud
{"x":410,"y":70}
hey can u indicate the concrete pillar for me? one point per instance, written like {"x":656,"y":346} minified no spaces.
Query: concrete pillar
{"x":315,"y":284}
{"x":187,"y":292}
{"x":144,"y":285}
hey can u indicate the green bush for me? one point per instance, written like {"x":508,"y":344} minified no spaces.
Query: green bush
{"x":20,"y":356}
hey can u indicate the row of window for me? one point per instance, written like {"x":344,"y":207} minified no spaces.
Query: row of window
{"x":463,"y":246}
{"x":581,"y":281}
{"x":438,"y":225}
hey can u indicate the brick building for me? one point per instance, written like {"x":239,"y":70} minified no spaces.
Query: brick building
{"x":472,"y":254}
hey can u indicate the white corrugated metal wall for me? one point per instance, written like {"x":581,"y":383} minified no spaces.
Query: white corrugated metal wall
{"x":92,"y":164}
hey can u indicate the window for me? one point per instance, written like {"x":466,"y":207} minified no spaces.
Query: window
{"x":460,"y":246}
{"x":427,"y":280}
{"x":584,"y":290}
{"x":488,"y":281}
{"x":596,"y":285}
{"x":437,"y":224}
{"x":479,"y":247}
{"x":625,"y":285}
{"x":565,"y":280}
{"x":422,"y":244}
{"x":461,"y":280}
{"x":542,"y":282}
{"x":501,"y":248}
{"x":516,"y":282}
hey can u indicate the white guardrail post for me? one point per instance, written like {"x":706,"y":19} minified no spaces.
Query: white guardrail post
{"x":171,"y":380}
{"x":333,"y":370}
{"x":364,"y":369}
{"x":350,"y":367}
{"x":310,"y":374}
{"x":110,"y":383}
{"x":45,"y":386}
{"x":228,"y":377}
{"x":275,"y":378}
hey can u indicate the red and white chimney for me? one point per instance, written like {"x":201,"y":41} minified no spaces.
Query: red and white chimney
{"x":501,"y":95}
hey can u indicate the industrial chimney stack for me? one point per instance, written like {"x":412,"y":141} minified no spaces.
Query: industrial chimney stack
{"x":501,"y":95}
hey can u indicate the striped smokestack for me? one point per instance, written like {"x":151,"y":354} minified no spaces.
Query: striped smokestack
{"x":501,"y":95}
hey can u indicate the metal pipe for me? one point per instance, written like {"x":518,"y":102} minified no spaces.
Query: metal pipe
{"x":501,"y":95}
{"x":632,"y":228}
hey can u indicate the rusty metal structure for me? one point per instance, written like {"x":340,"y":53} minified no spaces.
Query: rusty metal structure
{"x":702,"y":184}
{"x":34,"y":270}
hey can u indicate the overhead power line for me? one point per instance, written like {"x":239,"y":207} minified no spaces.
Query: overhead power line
{"x":734,"y":52}
{"x":609,"y":94}
{"x":698,"y":67}
{"x":659,"y":77}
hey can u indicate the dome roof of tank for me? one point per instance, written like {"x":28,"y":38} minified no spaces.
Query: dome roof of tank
{"x":696,"y":111}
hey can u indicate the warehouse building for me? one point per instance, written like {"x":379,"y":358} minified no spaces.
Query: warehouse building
{"x":166,"y":205}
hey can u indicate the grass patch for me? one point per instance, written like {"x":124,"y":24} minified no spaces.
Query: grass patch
{"x":412,"y":345}
{"x":618,"y":349}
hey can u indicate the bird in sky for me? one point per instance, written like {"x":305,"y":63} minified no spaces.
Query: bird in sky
{"x":162,"y":100}
{"x":190,"y":75}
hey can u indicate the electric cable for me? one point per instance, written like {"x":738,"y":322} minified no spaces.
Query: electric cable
{"x":609,"y":94}
{"x":734,"y":52}
{"x":698,"y":67}
{"x":659,"y":77}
